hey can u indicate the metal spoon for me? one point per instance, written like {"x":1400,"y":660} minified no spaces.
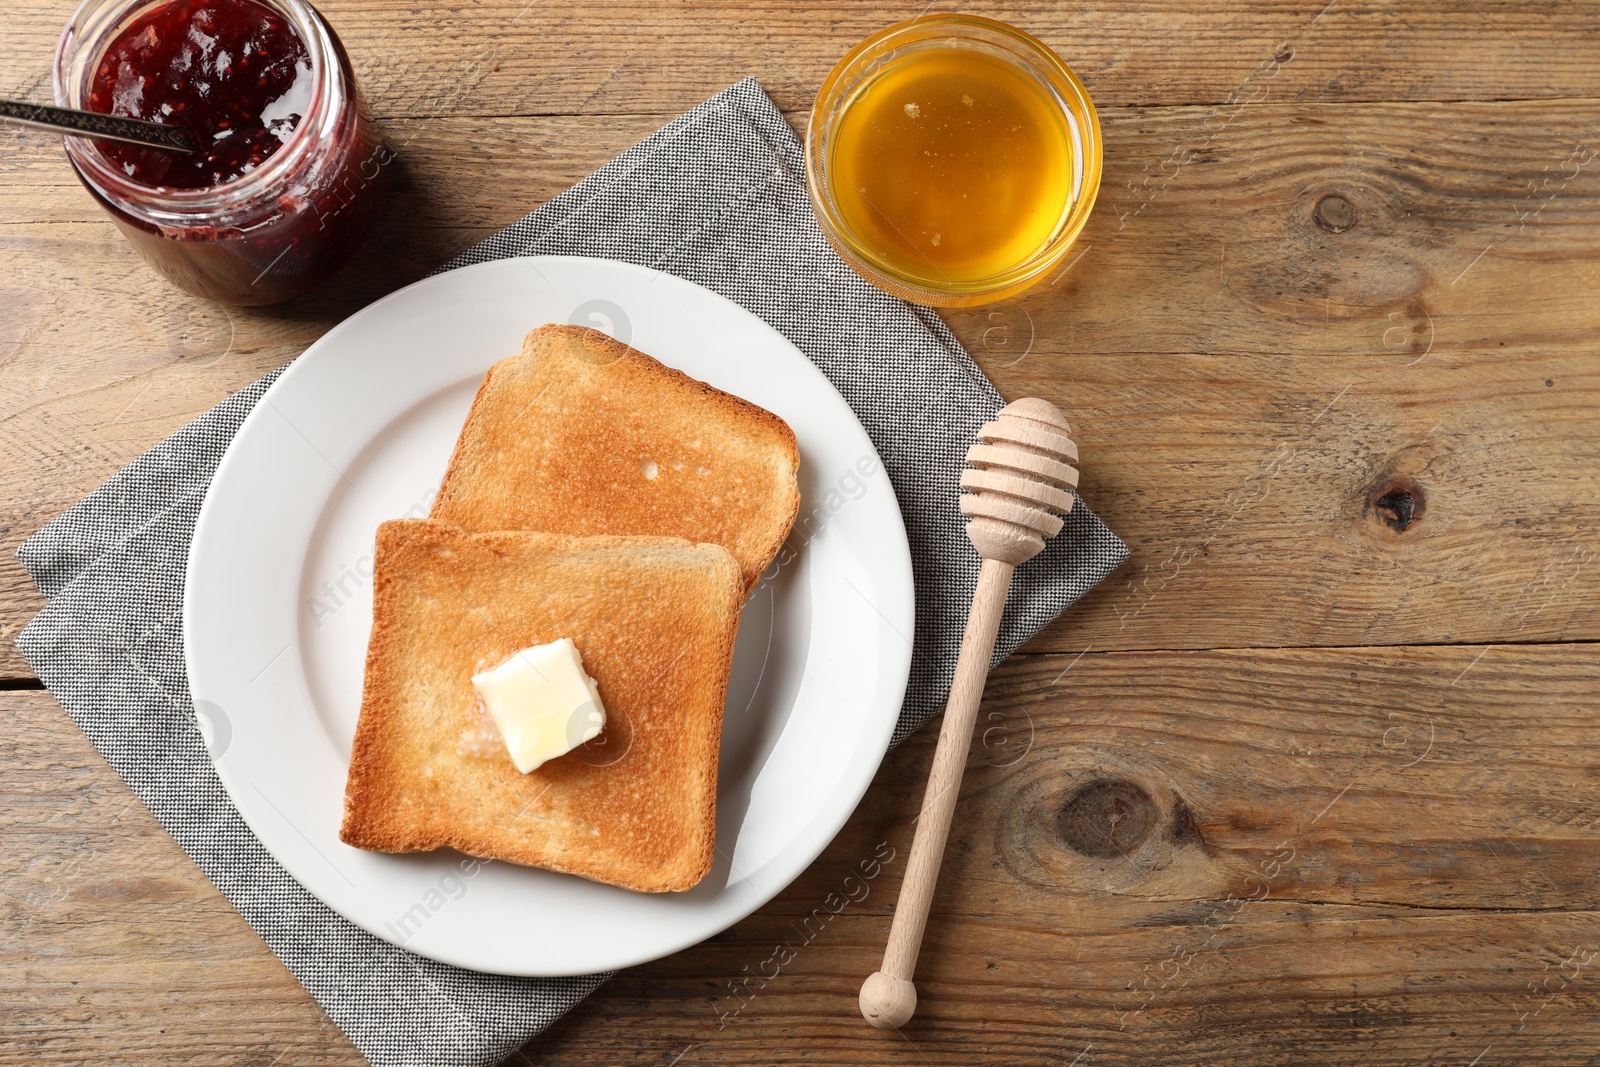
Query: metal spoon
{"x":98,"y":126}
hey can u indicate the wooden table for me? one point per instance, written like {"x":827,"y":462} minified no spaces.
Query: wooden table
{"x":1313,"y":779}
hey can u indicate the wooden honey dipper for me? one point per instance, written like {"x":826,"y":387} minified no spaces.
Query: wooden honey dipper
{"x":1020,"y":480}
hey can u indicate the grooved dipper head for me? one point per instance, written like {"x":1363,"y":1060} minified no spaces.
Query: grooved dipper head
{"x":1019,"y":481}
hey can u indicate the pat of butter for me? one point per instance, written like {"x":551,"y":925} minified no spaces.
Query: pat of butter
{"x":543,"y":701}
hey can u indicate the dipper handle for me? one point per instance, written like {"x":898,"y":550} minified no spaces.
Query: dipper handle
{"x":1021,"y":479}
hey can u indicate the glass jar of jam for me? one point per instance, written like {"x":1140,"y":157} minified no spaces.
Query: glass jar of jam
{"x":290,"y":176}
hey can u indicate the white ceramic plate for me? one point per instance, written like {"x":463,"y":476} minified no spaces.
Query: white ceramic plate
{"x":278,"y":605}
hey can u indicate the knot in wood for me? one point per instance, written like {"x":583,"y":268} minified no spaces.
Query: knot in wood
{"x":1398,"y":505}
{"x":1334,"y":213}
{"x":1107,"y":818}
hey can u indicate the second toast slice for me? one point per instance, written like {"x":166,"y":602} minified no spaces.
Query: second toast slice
{"x":582,"y":435}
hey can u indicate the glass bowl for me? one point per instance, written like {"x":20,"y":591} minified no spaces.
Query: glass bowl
{"x":857,"y":71}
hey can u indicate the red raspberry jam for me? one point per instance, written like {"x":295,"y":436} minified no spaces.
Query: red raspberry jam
{"x":291,"y":175}
{"x":230,"y":71}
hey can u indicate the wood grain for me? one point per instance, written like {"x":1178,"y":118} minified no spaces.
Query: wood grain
{"x":1329,"y":353}
{"x":1375,"y":856}
{"x":523,"y":57}
{"x":1330,"y":368}
{"x":1425,"y":886}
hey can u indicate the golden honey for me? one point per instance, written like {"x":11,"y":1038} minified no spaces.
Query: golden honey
{"x":952,"y":165}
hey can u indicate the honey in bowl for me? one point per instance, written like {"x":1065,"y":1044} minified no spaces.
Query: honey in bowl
{"x":952,"y":160}
{"x":952,"y":164}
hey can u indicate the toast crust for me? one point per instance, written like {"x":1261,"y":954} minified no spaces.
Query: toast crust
{"x":655,"y":619}
{"x":581,"y":434}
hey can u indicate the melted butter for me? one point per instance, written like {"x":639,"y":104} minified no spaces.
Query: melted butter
{"x":951,"y":165}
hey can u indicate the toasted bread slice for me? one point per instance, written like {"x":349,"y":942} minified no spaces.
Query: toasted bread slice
{"x":581,"y":434}
{"x":654,"y":619}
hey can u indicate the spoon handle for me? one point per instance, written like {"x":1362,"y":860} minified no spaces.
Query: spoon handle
{"x":98,"y":126}
{"x":888,"y":998}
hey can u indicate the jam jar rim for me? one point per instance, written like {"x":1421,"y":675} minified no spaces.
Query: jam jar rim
{"x":211,"y":204}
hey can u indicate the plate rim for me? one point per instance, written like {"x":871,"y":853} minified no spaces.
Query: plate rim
{"x":790,"y":865}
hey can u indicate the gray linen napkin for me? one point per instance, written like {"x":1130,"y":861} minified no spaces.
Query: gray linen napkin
{"x":718,"y":197}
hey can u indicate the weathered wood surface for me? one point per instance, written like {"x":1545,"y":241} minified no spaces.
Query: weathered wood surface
{"x":1330,"y":354}
{"x":1245,"y":382}
{"x":524,"y":57}
{"x":1375,"y":856}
